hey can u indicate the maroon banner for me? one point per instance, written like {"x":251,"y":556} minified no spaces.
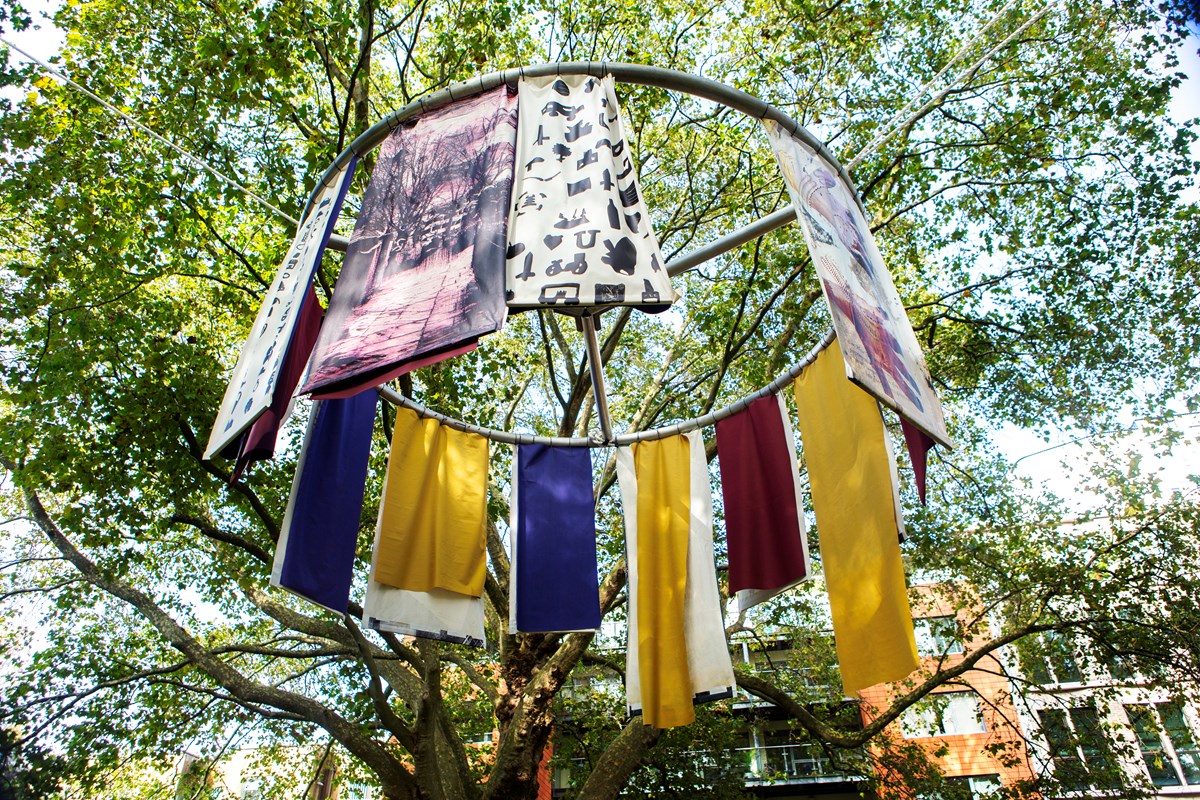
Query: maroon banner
{"x":764,"y":524}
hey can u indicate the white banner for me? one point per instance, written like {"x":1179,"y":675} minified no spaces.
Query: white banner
{"x":252,"y":385}
{"x":578,"y":232}
{"x":881,"y":351}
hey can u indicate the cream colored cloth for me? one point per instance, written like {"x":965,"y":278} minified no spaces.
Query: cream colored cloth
{"x":881,"y":351}
{"x":578,"y":231}
{"x":676,"y":650}
{"x":428,"y":565}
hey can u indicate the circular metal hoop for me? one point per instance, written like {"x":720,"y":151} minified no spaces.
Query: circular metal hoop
{"x":645,"y":75}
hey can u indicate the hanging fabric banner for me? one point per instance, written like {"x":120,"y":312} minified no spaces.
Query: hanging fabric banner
{"x":433,"y":515}
{"x":428,"y":567}
{"x":919,"y":444}
{"x":423,"y":277}
{"x":853,"y":493}
{"x":579,"y":233}
{"x":252,"y":386}
{"x":764,"y":512}
{"x":553,"y":585}
{"x":676,"y":649}
{"x":315,"y":554}
{"x":882,"y":353}
{"x":258,"y":442}
{"x":436,"y":614}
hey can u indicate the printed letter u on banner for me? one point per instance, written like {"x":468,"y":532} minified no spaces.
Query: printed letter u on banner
{"x":676,"y":650}
{"x":552,"y":580}
{"x":853,"y":489}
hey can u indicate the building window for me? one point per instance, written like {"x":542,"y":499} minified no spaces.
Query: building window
{"x":1079,"y":751}
{"x":1167,"y":744}
{"x":777,"y":752}
{"x":978,"y":787}
{"x":1049,"y":659}
{"x":946,"y":714}
{"x":807,"y":668}
{"x":937,"y":636}
{"x":323,"y":786}
{"x":967,"y":787}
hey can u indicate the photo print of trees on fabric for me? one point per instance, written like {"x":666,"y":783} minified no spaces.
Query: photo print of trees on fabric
{"x":423,"y":277}
{"x":579,"y":234}
{"x":881,"y":350}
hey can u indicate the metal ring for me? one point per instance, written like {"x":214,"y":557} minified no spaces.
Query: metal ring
{"x":694,"y":85}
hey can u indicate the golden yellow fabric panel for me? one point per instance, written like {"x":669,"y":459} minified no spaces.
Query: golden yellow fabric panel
{"x":663,"y":518}
{"x":432,"y":526}
{"x":851,"y":478}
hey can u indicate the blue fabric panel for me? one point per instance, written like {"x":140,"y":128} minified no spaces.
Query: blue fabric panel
{"x":319,"y":562}
{"x":557,"y":586}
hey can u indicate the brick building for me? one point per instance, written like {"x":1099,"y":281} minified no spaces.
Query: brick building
{"x":970,"y":729}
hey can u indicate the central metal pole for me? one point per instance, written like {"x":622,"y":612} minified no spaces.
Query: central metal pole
{"x":588,"y":323}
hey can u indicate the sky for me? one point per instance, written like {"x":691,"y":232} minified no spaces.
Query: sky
{"x":1059,"y":462}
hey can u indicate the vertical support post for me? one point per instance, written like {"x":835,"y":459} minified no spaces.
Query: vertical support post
{"x":588,"y":323}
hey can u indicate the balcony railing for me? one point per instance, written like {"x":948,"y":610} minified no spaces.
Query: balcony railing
{"x":792,"y":763}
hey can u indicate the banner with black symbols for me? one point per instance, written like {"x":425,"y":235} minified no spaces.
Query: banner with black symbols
{"x":579,"y":233}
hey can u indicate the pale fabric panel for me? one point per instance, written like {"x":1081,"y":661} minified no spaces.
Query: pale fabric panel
{"x":579,"y":233}
{"x":436,"y":614}
{"x":691,"y":661}
{"x":252,"y":385}
{"x":513,"y":518}
{"x":627,"y":481}
{"x":709,"y":665}
{"x":881,"y":351}
{"x":285,"y":529}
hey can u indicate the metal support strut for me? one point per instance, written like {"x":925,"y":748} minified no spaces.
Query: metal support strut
{"x":596,"y":367}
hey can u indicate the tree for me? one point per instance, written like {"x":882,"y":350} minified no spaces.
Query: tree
{"x":1032,"y":209}
{"x":27,"y":773}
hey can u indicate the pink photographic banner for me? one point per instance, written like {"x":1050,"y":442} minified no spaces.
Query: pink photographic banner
{"x":423,"y":277}
{"x":881,"y":351}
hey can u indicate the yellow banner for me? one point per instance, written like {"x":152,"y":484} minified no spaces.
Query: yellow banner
{"x":663,"y":522}
{"x":850,"y":473}
{"x":432,"y":525}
